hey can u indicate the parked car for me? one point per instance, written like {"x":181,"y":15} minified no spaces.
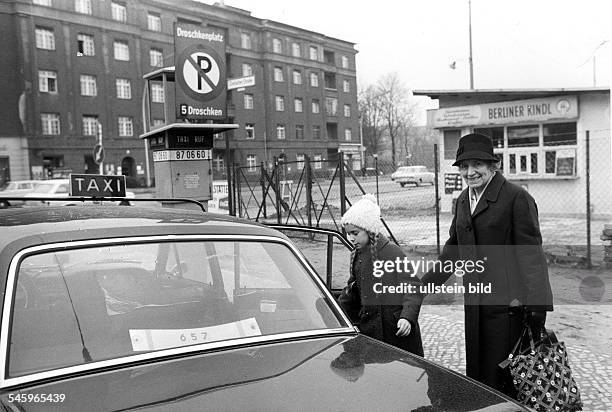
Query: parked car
{"x":16,"y":188}
{"x":415,"y":175}
{"x":122,"y":308}
{"x":59,"y":188}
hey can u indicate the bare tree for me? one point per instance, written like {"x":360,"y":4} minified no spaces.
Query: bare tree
{"x":394,"y":100}
{"x":372,"y":119}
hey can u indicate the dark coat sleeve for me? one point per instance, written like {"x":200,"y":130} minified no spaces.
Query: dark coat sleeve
{"x":449,"y":252}
{"x":529,"y":253}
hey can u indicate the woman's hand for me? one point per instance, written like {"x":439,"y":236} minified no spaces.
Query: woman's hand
{"x":403,"y":327}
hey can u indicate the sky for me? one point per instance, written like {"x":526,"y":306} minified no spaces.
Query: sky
{"x":515,"y":43}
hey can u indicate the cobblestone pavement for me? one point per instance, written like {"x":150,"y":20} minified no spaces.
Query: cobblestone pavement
{"x":443,"y":341}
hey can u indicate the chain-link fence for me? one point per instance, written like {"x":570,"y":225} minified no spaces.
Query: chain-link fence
{"x":571,"y":186}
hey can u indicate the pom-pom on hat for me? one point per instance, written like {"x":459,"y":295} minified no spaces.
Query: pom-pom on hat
{"x":364,"y":214}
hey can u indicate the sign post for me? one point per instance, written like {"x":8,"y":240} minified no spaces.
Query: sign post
{"x":98,"y":151}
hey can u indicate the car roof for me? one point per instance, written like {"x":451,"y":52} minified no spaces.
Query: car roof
{"x":40,"y":225}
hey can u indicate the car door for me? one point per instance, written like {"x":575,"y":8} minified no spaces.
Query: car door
{"x":328,"y":252}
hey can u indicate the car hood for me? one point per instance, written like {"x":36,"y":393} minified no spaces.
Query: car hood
{"x":331,"y":373}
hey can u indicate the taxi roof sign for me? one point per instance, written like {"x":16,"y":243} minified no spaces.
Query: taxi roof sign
{"x":97,"y":185}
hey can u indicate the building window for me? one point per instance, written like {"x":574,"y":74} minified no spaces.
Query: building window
{"x":277,"y":46}
{"x":119,"y":12}
{"x":348,"y":135}
{"x":252,"y":163}
{"x":523,"y":136}
{"x":157,"y":123}
{"x":280,"y":104}
{"x":245,"y":40}
{"x":278,"y":74}
{"x":50,"y":124}
{"x":331,"y":106}
{"x":313,"y":53}
{"x":248,"y":101}
{"x":299,"y":131}
{"x":247,"y":69}
{"x":300,"y":161}
{"x":157,"y":92}
{"x":297,"y":103}
{"x":88,"y":85}
{"x":85,"y":45}
{"x":314,"y":80}
{"x":329,"y":57}
{"x":559,"y":134}
{"x":45,"y":39}
{"x":126,"y":126}
{"x":296,"y":51}
{"x":156,"y":58}
{"x":316,"y":107}
{"x":345,"y":62}
{"x":122,"y":50}
{"x":154,"y":22}
{"x":42,"y":2}
{"x":47,"y":81}
{"x":316,"y":132}
{"x":90,"y":125}
{"x":330,"y":80}
{"x":250,"y":130}
{"x":124,"y":89}
{"x":346,"y":86}
{"x":297,"y":77}
{"x":219,"y":163}
{"x":280,"y":131}
{"x":316,"y":161}
{"x":82,"y":6}
{"x":347,"y":110}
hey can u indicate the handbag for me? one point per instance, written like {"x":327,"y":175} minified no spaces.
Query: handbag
{"x":541,"y":373}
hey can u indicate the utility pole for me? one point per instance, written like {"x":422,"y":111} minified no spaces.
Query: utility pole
{"x":471,"y":61}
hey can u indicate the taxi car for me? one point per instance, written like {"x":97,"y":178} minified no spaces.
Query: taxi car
{"x":122,"y":308}
{"x":416,"y":175}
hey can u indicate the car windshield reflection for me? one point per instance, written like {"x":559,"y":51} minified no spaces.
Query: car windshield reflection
{"x":91,"y":304}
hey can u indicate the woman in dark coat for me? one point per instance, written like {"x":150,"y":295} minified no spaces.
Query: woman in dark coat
{"x":496,"y":223}
{"x":387,"y":316}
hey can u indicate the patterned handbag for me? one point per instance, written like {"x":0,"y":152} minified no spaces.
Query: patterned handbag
{"x":542,"y":375}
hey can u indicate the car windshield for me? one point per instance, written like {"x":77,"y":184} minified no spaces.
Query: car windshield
{"x":10,"y":186}
{"x":91,"y":304}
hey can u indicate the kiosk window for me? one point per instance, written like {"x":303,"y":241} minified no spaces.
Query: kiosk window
{"x":558,"y":134}
{"x":523,"y":136}
{"x":495,"y":133}
{"x":451,"y":143}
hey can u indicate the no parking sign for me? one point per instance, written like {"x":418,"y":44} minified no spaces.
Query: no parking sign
{"x":201,"y":83}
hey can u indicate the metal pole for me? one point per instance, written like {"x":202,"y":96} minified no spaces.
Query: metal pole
{"x":228,"y":167}
{"x":436,"y":175}
{"x":588,"y":199}
{"x":308,"y":190}
{"x":262,"y":179}
{"x":101,"y":166}
{"x":279,"y":218}
{"x":471,"y":61}
{"x":342,"y":185}
{"x":145,"y":128}
{"x":376,"y":171}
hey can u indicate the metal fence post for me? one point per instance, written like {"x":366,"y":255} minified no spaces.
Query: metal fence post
{"x":342,"y":186}
{"x":436,"y":175}
{"x":232,"y":189}
{"x":588,"y":199}
{"x":309,"y":205}
{"x":375,"y":155}
{"x":262,"y":181}
{"x":238,"y":188}
{"x":276,"y":172}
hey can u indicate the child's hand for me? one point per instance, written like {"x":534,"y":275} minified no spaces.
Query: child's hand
{"x":403,"y":327}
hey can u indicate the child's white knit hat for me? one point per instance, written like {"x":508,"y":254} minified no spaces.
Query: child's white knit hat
{"x":364,"y":214}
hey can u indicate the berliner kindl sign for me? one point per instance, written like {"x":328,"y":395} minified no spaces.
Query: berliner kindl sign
{"x":199,"y":62}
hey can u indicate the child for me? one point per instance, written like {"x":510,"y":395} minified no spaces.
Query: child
{"x":390,"y":317}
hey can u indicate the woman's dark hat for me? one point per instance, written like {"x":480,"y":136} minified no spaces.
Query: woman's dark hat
{"x":475,"y":146}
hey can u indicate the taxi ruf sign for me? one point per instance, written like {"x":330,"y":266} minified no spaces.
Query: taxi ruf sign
{"x":201,"y":83}
{"x":97,"y":185}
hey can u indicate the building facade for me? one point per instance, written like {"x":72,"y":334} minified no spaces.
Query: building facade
{"x":72,"y":75}
{"x":554,"y":142}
